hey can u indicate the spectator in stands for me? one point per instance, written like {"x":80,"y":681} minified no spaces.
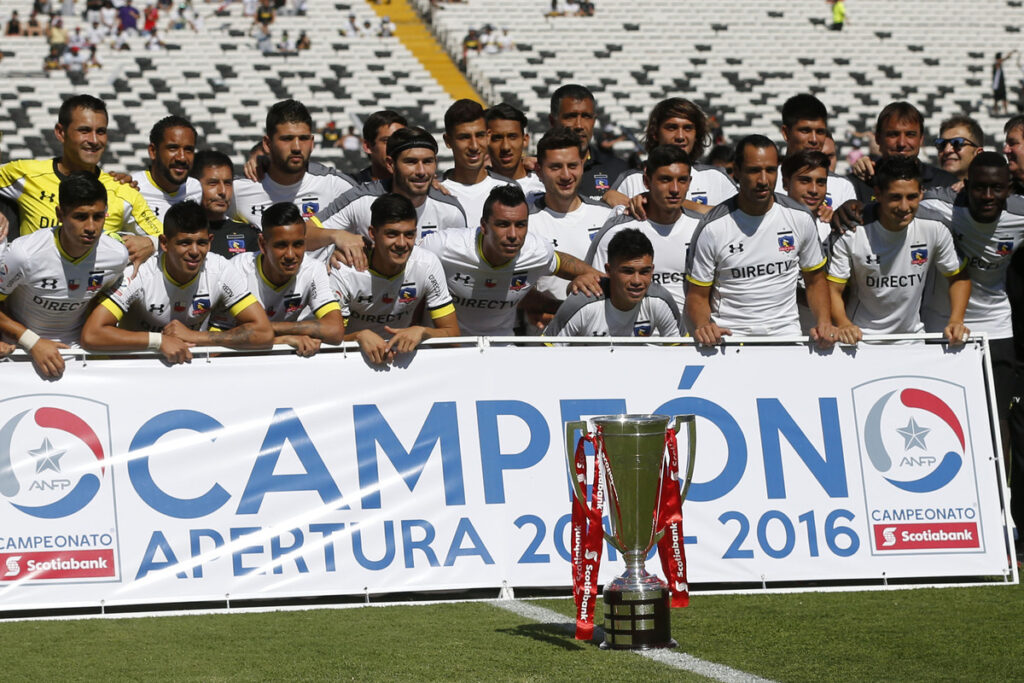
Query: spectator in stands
{"x":32,"y":26}
{"x":74,"y":62}
{"x":286,"y":45}
{"x":501,"y":251}
{"x":151,"y":15}
{"x":999,"y":83}
{"x":1013,"y":149}
{"x":470,"y":45}
{"x":94,"y":59}
{"x":574,"y":106}
{"x":92,"y":10}
{"x":350,"y":27}
{"x":265,"y":14}
{"x":508,"y":138}
{"x":411,"y":161}
{"x":838,"y":14}
{"x":121,"y":41}
{"x":108,"y":17}
{"x":505,"y":42}
{"x":732,"y":246}
{"x":377,"y":130}
{"x":215,"y":173}
{"x":387,"y":27}
{"x":52,"y":60}
{"x":129,"y":17}
{"x":350,"y":141}
{"x":264,"y":43}
{"x":668,"y":225}
{"x":899,"y":130}
{"x":586,"y":8}
{"x":330,"y":135}
{"x":303,"y":42}
{"x":96,"y":34}
{"x":154,"y":42}
{"x":380,"y":304}
{"x":57,"y":35}
{"x":77,"y":39}
{"x":13,"y":25}
{"x":466,"y":135}
{"x":630,"y":305}
{"x":960,"y":139}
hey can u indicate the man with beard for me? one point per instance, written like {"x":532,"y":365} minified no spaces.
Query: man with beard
{"x":172,"y":149}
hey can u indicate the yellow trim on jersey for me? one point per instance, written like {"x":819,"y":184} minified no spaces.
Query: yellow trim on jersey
{"x":695,"y":281}
{"x":836,"y":279}
{"x":243,"y":303}
{"x":109,"y":304}
{"x":814,"y":268}
{"x":259,"y":269}
{"x":315,"y":221}
{"x":558,"y":262}
{"x":149,"y":177}
{"x":377,"y":273}
{"x":64,"y":255}
{"x":2,"y":297}
{"x":327,"y":308}
{"x":480,"y":252}
{"x":163,"y":267}
{"x":447,"y":309}
{"x":963,"y":264}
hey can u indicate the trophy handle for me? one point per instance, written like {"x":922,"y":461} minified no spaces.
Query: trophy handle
{"x":578,"y":487}
{"x":691,"y":431}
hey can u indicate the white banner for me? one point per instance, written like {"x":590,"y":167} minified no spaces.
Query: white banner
{"x":277,"y":476}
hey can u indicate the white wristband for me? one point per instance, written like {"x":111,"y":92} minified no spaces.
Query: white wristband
{"x":28,"y":339}
{"x":155,"y":338}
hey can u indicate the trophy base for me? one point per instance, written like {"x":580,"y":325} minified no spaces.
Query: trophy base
{"x":637,"y":616}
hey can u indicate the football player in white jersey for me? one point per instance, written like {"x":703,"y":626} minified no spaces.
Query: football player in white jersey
{"x":411,"y":162}
{"x":377,"y":130}
{"x":561,"y":215}
{"x":747,"y":254}
{"x":380,"y":304}
{"x":165,"y":306}
{"x":290,"y":177}
{"x":286,"y":284}
{"x":490,"y":269}
{"x":668,"y":225}
{"x":172,"y":149}
{"x":884,"y":263}
{"x":507,"y":142}
{"x":630,"y":307}
{"x":679,"y":122}
{"x":465,"y":133}
{"x":48,"y":279}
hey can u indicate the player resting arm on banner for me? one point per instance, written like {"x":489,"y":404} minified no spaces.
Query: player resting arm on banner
{"x":286,"y":284}
{"x":167,"y":303}
{"x":49,"y":278}
{"x":379,"y":304}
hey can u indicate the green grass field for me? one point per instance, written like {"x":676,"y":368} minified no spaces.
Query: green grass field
{"x":898,"y":635}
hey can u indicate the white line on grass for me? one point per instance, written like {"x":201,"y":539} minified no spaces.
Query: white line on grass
{"x":678,"y":660}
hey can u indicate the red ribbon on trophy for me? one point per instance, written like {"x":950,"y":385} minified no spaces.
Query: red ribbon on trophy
{"x":587,"y":536}
{"x":671,"y":549}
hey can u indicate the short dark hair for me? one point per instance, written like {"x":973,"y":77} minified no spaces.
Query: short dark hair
{"x":186,"y":216}
{"x":987,"y":160}
{"x":629,"y":244}
{"x":287,"y":111}
{"x":409,"y":137}
{"x":1014,"y":122}
{"x":559,"y":137}
{"x":720,"y":153}
{"x":803,"y":107}
{"x":967,"y":122}
{"x":282,"y":213}
{"x":160,"y":128}
{"x":572,"y":91}
{"x":68,"y":106}
{"x":757,"y":142}
{"x":506,"y":112}
{"x":391,"y":208}
{"x":375,"y":121}
{"x":210,"y":158}
{"x":807,"y":158}
{"x":896,"y":167}
{"x":80,"y":188}
{"x":666,"y":155}
{"x":510,"y":195}
{"x":901,"y":111}
{"x":677,"y":107}
{"x":462,"y":111}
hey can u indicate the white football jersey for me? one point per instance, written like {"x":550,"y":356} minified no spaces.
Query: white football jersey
{"x":152,"y":299}
{"x":585,"y":316}
{"x":49,"y":292}
{"x":486,"y":296}
{"x":351,"y":211}
{"x":309,"y":290}
{"x":671,"y":244}
{"x":838,"y":190}
{"x":472,"y":197}
{"x":885,"y":272}
{"x":158,"y":200}
{"x":369,"y":300}
{"x":708,"y":184}
{"x":752,"y":264}
{"x":319,"y":187}
{"x":531,"y":184}
{"x":988,"y":248}
{"x":570,"y":233}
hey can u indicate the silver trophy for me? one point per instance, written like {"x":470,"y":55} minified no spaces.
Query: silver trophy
{"x":636,"y":604}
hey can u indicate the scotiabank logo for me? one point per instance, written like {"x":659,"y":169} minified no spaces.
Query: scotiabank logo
{"x":66,"y":564}
{"x":926,"y":536}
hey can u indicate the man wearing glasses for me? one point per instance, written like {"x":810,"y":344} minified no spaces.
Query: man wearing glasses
{"x":960,"y":139}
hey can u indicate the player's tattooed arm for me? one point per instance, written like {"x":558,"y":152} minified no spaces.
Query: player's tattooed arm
{"x":252,"y":332}
{"x":585,"y":278}
{"x":330,"y":328}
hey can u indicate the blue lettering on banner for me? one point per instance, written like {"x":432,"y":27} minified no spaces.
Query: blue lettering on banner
{"x":389,"y":548}
{"x":830,"y":471}
{"x":440,"y":427}
{"x":195,"y":537}
{"x":492,"y":460}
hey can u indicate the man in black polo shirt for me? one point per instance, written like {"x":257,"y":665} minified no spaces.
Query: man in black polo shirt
{"x":216,"y":173}
{"x":573,"y":106}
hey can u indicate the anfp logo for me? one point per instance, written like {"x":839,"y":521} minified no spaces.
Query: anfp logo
{"x":53,"y":453}
{"x":912,"y":431}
